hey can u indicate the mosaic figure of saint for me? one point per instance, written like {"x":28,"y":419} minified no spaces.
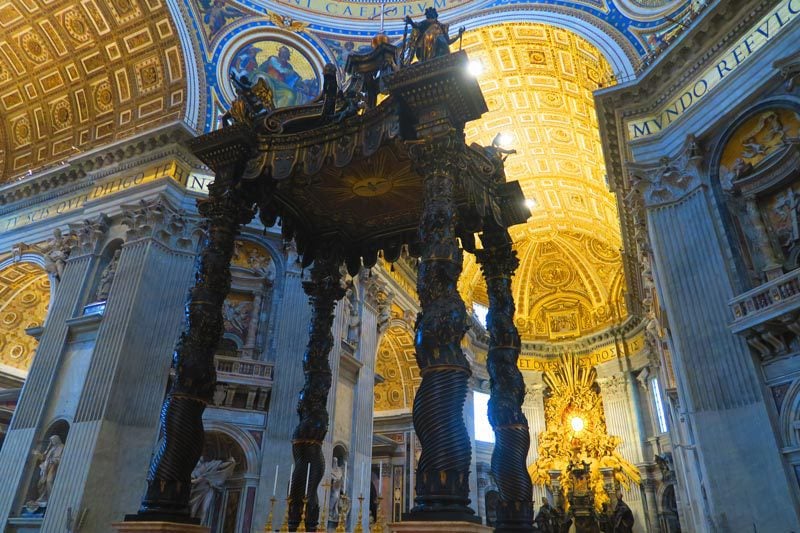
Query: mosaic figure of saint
{"x":288,"y":86}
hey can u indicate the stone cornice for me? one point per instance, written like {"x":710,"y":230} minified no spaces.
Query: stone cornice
{"x":51,"y":182}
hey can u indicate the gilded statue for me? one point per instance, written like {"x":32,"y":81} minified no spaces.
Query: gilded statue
{"x":251,"y":100}
{"x":429,"y":38}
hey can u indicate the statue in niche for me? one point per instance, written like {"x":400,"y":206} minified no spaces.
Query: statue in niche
{"x":429,"y":38}
{"x":353,"y":319}
{"x":107,"y":278}
{"x":337,"y":473}
{"x":57,"y":252}
{"x":49,"y":461}
{"x":788,"y":211}
{"x":208,"y":480}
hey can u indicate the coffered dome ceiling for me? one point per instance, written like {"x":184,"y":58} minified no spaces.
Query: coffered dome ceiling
{"x":76,"y":75}
{"x":538,"y":82}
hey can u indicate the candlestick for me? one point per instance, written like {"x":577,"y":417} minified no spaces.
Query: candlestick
{"x":344,"y":508}
{"x":361,"y":484}
{"x":344,"y":483}
{"x":308,"y":475}
{"x":377,"y":527}
{"x":268,"y":527}
{"x":275,"y":483}
{"x":359,"y":526}
{"x":303,"y":516}
{"x":285,"y":525}
{"x":291,"y":475}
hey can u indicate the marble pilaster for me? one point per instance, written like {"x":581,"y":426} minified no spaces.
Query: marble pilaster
{"x":118,"y":406}
{"x":34,"y":400}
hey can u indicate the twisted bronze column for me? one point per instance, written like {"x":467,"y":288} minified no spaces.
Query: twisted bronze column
{"x":498,"y":262}
{"x":169,"y":477}
{"x":443,"y":470}
{"x":324,"y":289}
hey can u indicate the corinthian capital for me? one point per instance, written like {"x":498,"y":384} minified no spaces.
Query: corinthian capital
{"x":670,"y":179}
{"x":157,"y":218}
{"x":88,"y":234}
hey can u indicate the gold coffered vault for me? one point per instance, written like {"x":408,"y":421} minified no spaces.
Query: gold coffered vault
{"x":75,"y":76}
{"x":538,"y":81}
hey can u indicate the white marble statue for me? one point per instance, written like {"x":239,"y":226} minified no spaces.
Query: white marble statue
{"x":208,"y":479}
{"x":56,"y":250}
{"x":337,"y":472}
{"x":48,"y":460}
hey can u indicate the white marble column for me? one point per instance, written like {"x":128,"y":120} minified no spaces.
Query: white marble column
{"x":533,"y":409}
{"x":620,"y":409}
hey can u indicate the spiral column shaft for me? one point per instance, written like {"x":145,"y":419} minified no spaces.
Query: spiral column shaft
{"x":169,"y":477}
{"x":498,"y":262}
{"x":324,"y":289}
{"x":442,"y":481}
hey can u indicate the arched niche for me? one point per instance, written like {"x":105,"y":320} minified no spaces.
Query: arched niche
{"x":25,"y":293}
{"x":755,"y":171}
{"x":46,"y":458}
{"x":102,"y":281}
{"x":246,"y":310}
{"x":219,"y":482}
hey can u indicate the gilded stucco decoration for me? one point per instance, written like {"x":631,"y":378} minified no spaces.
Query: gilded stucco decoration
{"x":538,"y":82}
{"x":575,"y":431}
{"x":397,"y":364}
{"x":76,"y":75}
{"x":754,"y":141}
{"x":24,"y":298}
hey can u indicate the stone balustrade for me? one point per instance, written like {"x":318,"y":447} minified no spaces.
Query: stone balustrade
{"x":243,"y":371}
{"x":773,"y":299}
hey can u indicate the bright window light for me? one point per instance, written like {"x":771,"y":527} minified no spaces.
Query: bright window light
{"x":530,"y":203}
{"x":662,"y":419}
{"x":475,"y":68}
{"x":480,"y":313}
{"x":483,"y":430}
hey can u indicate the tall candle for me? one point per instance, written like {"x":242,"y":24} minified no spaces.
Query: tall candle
{"x":291,"y":475}
{"x":308,"y":475}
{"x":361,"y":485}
{"x":344,"y":483}
{"x":380,"y":479}
{"x":275,"y":483}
